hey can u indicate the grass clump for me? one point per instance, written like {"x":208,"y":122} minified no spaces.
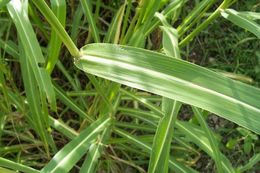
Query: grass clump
{"x":129,"y":86}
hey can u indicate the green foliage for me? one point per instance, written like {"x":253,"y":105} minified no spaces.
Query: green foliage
{"x":111,"y":86}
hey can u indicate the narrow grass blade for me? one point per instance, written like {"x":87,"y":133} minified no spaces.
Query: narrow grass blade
{"x":16,"y":166}
{"x":225,"y":4}
{"x":169,"y":10}
{"x":174,"y":165}
{"x":113,"y":33}
{"x":76,"y":23}
{"x":62,"y":128}
{"x":35,"y":102}
{"x":69,"y":155}
{"x":94,"y":153}
{"x":213,"y":142}
{"x":70,"y":103}
{"x":57,"y":26}
{"x":59,"y":9}
{"x":196,"y":11}
{"x":193,"y":133}
{"x":19,"y":14}
{"x":175,"y":79}
{"x":253,"y":161}
{"x":241,"y":21}
{"x":197,"y":136}
{"x":87,"y":8}
{"x":162,"y":139}
{"x":9,"y":47}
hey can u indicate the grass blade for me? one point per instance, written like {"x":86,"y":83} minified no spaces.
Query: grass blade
{"x":16,"y":166}
{"x":19,"y":14}
{"x":87,"y":8}
{"x":57,"y":26}
{"x":162,"y":139}
{"x":69,"y":155}
{"x":174,"y":165}
{"x":212,"y":140}
{"x":241,"y":21}
{"x":172,"y":78}
{"x":59,"y":9}
{"x":113,"y":33}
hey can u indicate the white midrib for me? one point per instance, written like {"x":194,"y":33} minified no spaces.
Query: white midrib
{"x":101,"y":60}
{"x":164,"y":137}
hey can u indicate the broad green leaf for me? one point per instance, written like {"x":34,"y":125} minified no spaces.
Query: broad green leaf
{"x":175,"y":79}
{"x":16,"y":166}
{"x":59,"y":9}
{"x":19,"y":14}
{"x":69,"y":155}
{"x":241,"y":21}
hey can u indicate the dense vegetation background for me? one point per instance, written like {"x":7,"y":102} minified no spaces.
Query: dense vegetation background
{"x":59,"y":117}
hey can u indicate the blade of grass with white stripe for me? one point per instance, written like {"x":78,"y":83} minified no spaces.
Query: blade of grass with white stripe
{"x":59,"y":9}
{"x":19,"y":15}
{"x":163,"y":137}
{"x":175,"y":79}
{"x":87,"y":8}
{"x":243,"y":22}
{"x":162,"y":140}
{"x":69,"y":155}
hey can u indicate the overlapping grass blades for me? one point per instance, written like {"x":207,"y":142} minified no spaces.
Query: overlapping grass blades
{"x":67,"y":157}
